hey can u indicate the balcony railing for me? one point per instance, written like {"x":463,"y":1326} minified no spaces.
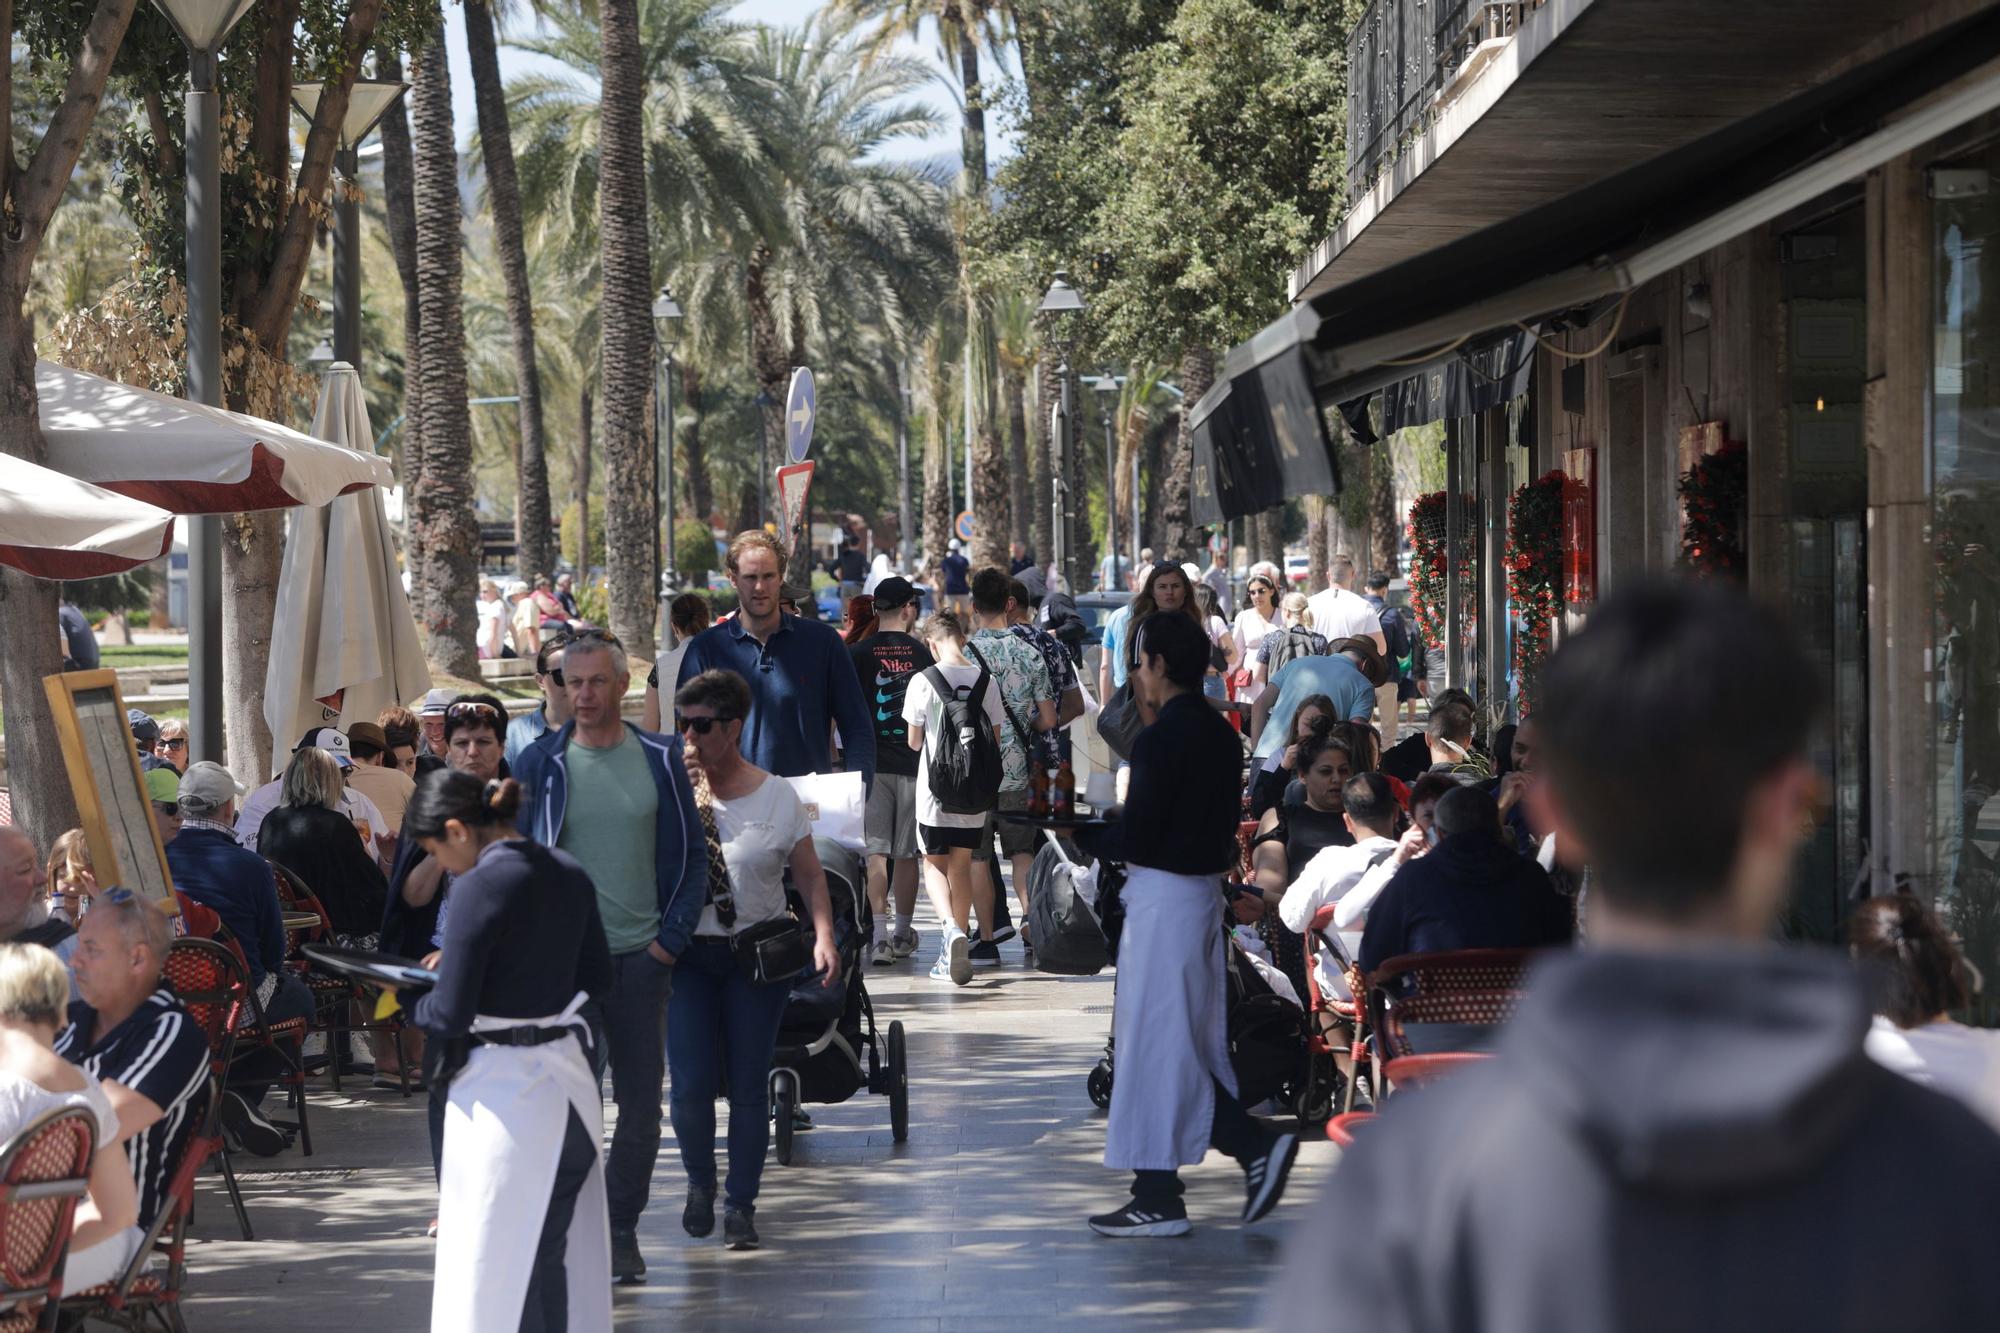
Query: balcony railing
{"x":1400,"y":57}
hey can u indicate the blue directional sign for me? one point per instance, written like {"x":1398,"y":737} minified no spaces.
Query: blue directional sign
{"x":801,"y":407}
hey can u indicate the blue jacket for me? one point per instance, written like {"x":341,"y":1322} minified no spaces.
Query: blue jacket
{"x":680,"y":849}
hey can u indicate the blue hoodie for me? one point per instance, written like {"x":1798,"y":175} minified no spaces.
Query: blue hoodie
{"x":680,"y":850}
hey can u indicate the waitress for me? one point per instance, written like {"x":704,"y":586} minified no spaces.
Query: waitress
{"x":524,"y":1239}
{"x":1175,"y":1094}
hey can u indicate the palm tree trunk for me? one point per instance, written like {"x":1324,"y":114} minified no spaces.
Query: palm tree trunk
{"x":692,"y":452}
{"x":532,"y":545}
{"x":1176,"y":518}
{"x":632,"y":518}
{"x":769,"y":362}
{"x":1042,"y":495}
{"x":1013,"y":393}
{"x":444,"y":530}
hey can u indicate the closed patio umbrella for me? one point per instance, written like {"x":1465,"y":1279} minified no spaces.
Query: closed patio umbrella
{"x":343,"y":643}
{"x":56,"y":527}
{"x":186,"y":457}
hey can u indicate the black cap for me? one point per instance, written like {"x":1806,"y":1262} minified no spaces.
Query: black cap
{"x":893,"y":592}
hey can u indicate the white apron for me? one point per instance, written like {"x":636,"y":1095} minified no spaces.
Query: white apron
{"x":1170,"y":1026}
{"x":503,"y":1132}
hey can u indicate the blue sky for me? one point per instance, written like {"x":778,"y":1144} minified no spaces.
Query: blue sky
{"x":777,"y":12}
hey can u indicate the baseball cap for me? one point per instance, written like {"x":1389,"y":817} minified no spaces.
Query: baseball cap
{"x":163,"y":785}
{"x":435,"y":702}
{"x":144,"y":729}
{"x":330,"y":740}
{"x":206,"y":787}
{"x":894,"y":592}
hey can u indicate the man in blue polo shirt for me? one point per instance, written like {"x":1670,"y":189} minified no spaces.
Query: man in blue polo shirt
{"x":802,"y":683}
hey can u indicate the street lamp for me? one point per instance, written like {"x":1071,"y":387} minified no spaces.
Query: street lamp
{"x":204,"y":25}
{"x":667,"y":319}
{"x":367,"y":102}
{"x":1061,"y":304}
{"x":1107,"y":399}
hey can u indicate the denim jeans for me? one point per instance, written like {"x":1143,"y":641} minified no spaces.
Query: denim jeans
{"x":721,"y":1019}
{"x":630,"y":1034}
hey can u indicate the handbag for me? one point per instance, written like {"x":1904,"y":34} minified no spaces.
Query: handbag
{"x":1119,"y":722}
{"x":772,"y":951}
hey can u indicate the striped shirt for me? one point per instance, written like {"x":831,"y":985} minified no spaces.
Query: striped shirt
{"x":160,"y":1053}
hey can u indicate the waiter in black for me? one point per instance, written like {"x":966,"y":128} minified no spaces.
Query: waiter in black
{"x":1175,"y":1093}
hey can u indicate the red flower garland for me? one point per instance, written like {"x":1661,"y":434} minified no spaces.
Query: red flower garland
{"x":1535,"y":575}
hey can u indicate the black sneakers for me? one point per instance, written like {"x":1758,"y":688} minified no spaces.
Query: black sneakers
{"x":1264,"y":1178}
{"x":738,"y":1233}
{"x":248,"y":1129}
{"x":627,"y":1264}
{"x":698,"y":1218}
{"x":1132,"y":1220}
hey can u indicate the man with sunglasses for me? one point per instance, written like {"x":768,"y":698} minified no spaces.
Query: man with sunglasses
{"x":617,"y":799}
{"x":553,"y":711}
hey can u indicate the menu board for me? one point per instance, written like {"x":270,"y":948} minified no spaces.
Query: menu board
{"x":103,"y":764}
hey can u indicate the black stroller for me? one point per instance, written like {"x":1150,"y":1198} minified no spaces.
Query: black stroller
{"x":826,"y":1028}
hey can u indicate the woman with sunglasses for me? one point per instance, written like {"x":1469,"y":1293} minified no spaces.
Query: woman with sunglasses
{"x":722,"y":1021}
{"x":1255,"y":623}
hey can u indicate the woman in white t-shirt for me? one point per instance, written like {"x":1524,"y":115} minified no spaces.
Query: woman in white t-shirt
{"x":1919,"y":977}
{"x":721,"y":1022}
{"x":34,"y":1080}
{"x":947,"y":839}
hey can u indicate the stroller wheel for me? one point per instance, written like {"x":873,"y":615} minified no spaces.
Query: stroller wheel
{"x":899,"y":1084}
{"x":785,"y":1099}
{"x":1099,"y":1084}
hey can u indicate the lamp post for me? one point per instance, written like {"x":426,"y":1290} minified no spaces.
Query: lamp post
{"x":667,"y":320}
{"x":1107,"y":398}
{"x":367,"y":103}
{"x":204,"y":25}
{"x":1061,"y":303}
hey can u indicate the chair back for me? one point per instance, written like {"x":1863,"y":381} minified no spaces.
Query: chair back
{"x":1462,"y":995}
{"x":44,"y":1170}
{"x":211,"y":984}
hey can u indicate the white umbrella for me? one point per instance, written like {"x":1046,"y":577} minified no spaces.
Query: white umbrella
{"x":57,"y":527}
{"x":343,"y":643}
{"x":185,"y":457}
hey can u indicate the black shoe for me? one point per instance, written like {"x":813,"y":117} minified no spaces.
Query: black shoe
{"x":248,"y":1129}
{"x":1264,"y":1179}
{"x":1132,"y":1220}
{"x":738,"y":1232}
{"x":984,"y":953}
{"x":698,"y":1218}
{"x":627,"y":1264}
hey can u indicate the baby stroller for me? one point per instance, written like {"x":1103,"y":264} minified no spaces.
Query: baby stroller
{"x":825,"y":1029}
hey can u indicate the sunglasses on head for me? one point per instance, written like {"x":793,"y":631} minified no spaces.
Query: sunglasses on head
{"x":700,"y":726}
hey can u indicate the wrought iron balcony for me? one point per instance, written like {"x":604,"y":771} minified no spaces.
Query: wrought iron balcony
{"x":1402,"y":57}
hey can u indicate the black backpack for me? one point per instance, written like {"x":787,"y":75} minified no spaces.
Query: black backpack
{"x":1296,"y":641}
{"x":964,"y":760}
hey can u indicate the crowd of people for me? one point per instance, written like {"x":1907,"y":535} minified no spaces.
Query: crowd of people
{"x":566,"y":873}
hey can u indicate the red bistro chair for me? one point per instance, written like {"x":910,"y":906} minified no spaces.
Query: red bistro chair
{"x":44,"y":1170}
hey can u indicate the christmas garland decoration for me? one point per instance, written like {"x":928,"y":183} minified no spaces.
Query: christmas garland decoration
{"x":1715,"y":497}
{"x":1535,"y":575}
{"x":1427,"y":568}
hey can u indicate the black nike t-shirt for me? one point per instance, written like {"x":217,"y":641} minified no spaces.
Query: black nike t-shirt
{"x":885,"y":663}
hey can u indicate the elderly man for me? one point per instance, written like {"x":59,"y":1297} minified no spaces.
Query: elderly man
{"x":210,"y":867}
{"x":618,"y":800}
{"x":802,"y":683}
{"x":131,"y":1034}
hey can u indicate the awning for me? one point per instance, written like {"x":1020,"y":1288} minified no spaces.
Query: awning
{"x":1633,"y":227}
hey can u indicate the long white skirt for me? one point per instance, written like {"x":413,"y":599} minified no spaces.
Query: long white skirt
{"x":1170,"y":1029}
{"x":503,"y":1133}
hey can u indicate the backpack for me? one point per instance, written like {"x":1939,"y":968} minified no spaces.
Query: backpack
{"x":1296,"y":641}
{"x":963,"y":763}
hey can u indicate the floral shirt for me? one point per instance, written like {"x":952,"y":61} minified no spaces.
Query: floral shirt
{"x":1023,"y":677}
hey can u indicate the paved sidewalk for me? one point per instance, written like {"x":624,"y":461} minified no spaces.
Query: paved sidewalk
{"x":976,"y":1222}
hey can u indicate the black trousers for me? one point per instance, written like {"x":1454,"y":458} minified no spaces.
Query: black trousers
{"x":546,"y":1307}
{"x":1234,"y":1132}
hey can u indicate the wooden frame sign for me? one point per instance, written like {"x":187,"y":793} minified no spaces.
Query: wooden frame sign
{"x":103,"y":763}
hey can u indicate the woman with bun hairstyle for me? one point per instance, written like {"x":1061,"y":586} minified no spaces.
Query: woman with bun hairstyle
{"x":1917,"y":977}
{"x":524,"y":1238}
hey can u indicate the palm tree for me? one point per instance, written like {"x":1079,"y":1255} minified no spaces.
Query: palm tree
{"x":443,"y":529}
{"x":533,"y":548}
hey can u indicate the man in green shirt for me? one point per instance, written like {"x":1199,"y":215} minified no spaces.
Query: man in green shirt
{"x":618,"y":800}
